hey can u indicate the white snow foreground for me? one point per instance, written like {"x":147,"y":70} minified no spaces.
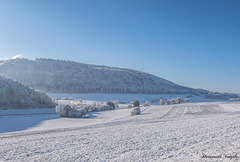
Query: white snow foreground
{"x":194,"y":131}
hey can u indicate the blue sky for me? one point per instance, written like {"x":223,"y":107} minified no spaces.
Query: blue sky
{"x":192,"y":43}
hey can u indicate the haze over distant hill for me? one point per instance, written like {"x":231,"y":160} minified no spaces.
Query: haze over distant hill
{"x":59,"y":76}
{"x":15,"y":95}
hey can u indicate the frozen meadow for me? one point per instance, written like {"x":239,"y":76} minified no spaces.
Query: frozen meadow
{"x":191,"y":131}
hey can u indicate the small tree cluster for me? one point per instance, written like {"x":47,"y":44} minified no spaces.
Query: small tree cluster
{"x":70,"y":111}
{"x":77,"y":110}
{"x":173,"y":101}
{"x":136,"y":103}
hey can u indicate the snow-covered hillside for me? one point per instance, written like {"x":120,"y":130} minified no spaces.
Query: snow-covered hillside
{"x":15,"y":95}
{"x":60,"y":76}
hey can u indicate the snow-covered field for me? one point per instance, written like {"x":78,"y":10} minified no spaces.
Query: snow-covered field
{"x":152,"y":98}
{"x":184,"y":132}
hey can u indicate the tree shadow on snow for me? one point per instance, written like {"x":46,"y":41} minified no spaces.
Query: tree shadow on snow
{"x":23,"y":122}
{"x":93,"y":114}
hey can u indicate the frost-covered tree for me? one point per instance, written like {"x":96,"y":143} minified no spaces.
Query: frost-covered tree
{"x":136,"y":103}
{"x":168,"y":102}
{"x":76,"y":110}
{"x":112,"y":105}
{"x":70,"y":111}
{"x":179,"y":100}
{"x":187,"y":100}
{"x":162,"y":102}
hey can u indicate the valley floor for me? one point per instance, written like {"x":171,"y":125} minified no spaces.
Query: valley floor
{"x":194,"y":131}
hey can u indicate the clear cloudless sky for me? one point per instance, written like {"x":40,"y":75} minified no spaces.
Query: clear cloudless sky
{"x":194,"y":43}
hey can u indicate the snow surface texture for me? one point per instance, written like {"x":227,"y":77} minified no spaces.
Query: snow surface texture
{"x":15,"y":95}
{"x":60,"y":76}
{"x":185,"y":132}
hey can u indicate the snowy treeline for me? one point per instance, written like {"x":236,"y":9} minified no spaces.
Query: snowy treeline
{"x":77,"y":109}
{"x":60,"y":76}
{"x":224,"y":96}
{"x":15,"y":95}
{"x":174,"y":101}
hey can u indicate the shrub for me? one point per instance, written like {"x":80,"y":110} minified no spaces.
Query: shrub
{"x":162,"y":102}
{"x":70,"y":111}
{"x":136,"y":103}
{"x":146,"y":104}
{"x":187,"y":100}
{"x":179,"y":100}
{"x":112,"y":105}
{"x":136,"y":111}
{"x":77,"y":110}
{"x":168,"y":102}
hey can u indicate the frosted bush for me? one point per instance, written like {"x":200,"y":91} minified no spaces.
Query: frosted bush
{"x":173,"y":101}
{"x":179,"y":100}
{"x":116,"y":106}
{"x":187,"y":100}
{"x":136,"y":103}
{"x":112,"y":105}
{"x":91,"y":108}
{"x":70,"y":111}
{"x":77,"y":113}
{"x":162,"y":102}
{"x":76,"y":109}
{"x":136,"y":111}
{"x":168,"y":102}
{"x":145,"y":104}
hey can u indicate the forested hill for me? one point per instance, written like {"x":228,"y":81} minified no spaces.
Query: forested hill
{"x":59,"y":76}
{"x":15,"y":95}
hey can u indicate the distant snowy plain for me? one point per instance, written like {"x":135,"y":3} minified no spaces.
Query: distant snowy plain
{"x":192,"y":131}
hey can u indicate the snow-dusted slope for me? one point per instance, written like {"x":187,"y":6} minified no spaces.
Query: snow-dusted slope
{"x":73,"y":77}
{"x":15,"y":95}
